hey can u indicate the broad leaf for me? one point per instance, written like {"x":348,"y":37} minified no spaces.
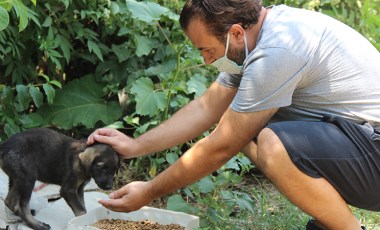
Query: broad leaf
{"x":144,"y":45}
{"x":166,"y":67}
{"x":197,"y":84}
{"x":31,"y":120}
{"x":80,"y":102}
{"x":232,"y":164}
{"x":122,"y":52}
{"x":206,"y":185}
{"x":146,"y":11}
{"x":177,"y":203}
{"x":245,"y":202}
{"x":4,"y":18}
{"x":171,"y":158}
{"x":148,"y":101}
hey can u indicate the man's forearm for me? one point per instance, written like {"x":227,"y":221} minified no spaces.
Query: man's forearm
{"x":185,"y":125}
{"x":189,"y":122}
{"x":195,"y":164}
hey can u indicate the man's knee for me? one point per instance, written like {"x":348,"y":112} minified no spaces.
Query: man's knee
{"x":270,"y":149}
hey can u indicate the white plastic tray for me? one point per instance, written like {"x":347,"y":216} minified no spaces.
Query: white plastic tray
{"x":159,"y":216}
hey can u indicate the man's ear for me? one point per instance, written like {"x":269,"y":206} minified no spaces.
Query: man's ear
{"x":237,"y":34}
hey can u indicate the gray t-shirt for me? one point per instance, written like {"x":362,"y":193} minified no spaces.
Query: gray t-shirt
{"x":308,"y":64}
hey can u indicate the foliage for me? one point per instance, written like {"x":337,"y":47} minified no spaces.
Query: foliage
{"x":20,"y":9}
{"x":217,"y":197}
{"x":362,"y":15}
{"x":112,"y":42}
{"x":79,"y":65}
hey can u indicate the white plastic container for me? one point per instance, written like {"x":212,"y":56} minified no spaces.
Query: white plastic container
{"x":159,"y":216}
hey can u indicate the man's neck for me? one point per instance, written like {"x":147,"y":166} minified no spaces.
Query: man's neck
{"x":253,"y":32}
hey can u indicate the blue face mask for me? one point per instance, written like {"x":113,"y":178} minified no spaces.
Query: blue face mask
{"x":224,"y":64}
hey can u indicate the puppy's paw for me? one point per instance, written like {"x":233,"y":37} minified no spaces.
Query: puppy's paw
{"x":42,"y":226}
{"x":79,"y":212}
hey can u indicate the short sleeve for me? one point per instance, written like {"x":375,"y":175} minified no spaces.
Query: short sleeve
{"x":269,"y":79}
{"x":229,"y":80}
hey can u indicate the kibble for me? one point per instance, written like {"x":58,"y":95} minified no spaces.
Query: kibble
{"x":118,"y":224}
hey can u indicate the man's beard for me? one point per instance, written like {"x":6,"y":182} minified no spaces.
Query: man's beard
{"x":237,"y":55}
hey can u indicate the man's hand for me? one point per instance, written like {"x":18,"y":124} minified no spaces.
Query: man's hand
{"x":131,"y":197}
{"x":121,"y":143}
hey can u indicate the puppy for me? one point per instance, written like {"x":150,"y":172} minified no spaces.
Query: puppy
{"x":48,"y":156}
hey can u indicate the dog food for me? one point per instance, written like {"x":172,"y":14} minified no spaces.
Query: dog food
{"x":118,"y":224}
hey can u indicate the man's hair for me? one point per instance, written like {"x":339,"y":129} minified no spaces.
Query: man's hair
{"x":220,"y":15}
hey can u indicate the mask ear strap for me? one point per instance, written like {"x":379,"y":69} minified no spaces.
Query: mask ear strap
{"x":246,"y":46}
{"x":227,"y":43}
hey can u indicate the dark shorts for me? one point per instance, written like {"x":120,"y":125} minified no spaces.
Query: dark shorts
{"x":344,"y":153}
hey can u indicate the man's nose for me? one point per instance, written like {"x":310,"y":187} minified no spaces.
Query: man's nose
{"x":208,"y":59}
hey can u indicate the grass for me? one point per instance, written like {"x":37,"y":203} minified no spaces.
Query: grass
{"x":272,"y":210}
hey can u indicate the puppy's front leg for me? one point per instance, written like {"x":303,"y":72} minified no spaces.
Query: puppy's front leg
{"x":80,"y":193}
{"x":70,"y":194}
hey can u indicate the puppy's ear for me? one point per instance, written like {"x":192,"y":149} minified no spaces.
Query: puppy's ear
{"x":87,"y":157}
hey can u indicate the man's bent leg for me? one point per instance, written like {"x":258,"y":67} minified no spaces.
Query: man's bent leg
{"x":250,"y":151}
{"x":315,"y":196}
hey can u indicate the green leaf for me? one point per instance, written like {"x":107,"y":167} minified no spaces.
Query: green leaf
{"x":142,"y":129}
{"x":206,"y":185}
{"x":177,"y":203}
{"x":197,"y":84}
{"x":114,"y":8}
{"x":232,"y":164}
{"x":65,"y":2}
{"x":49,"y":91}
{"x":10,"y":128}
{"x":46,"y":77}
{"x":123,"y":31}
{"x":32,"y":120}
{"x":48,"y":21}
{"x":144,"y":45}
{"x":34,"y":17}
{"x":22,"y":13}
{"x":93,"y":47}
{"x":6,"y":5}
{"x":23,"y":96}
{"x":56,"y":83}
{"x":37,"y":96}
{"x":245,"y":202}
{"x":122,"y":52}
{"x":80,"y":102}
{"x":116,"y":125}
{"x":171,"y":158}
{"x":148,"y":101}
{"x":4,"y":18}
{"x":165,"y":67}
{"x":146,"y":11}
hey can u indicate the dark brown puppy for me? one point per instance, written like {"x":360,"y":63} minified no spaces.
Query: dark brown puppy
{"x":48,"y":156}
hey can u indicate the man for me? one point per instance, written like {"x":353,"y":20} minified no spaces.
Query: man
{"x":298,"y":93}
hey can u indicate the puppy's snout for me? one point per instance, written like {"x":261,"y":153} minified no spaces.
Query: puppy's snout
{"x":106,"y":186}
